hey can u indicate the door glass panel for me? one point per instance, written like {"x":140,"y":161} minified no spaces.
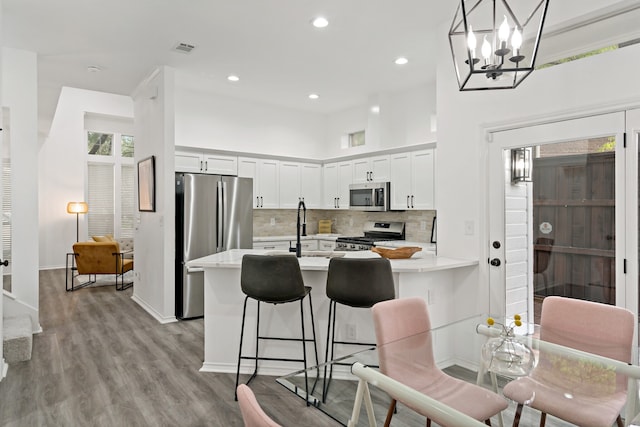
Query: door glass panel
{"x":574,"y":220}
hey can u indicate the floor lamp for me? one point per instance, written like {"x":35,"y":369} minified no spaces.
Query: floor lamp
{"x":77,"y":208}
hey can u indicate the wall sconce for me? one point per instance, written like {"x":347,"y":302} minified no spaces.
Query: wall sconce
{"x":521,"y":164}
{"x":509,"y":35}
{"x":77,"y":208}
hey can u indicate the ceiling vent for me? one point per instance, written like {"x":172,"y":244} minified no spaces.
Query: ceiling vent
{"x":184,"y":47}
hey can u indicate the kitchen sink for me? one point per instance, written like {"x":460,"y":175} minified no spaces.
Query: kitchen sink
{"x":314,"y":254}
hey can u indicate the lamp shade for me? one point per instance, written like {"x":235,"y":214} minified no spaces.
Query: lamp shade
{"x":77,"y":207}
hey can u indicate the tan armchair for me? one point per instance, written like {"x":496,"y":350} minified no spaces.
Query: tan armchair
{"x":93,"y":258}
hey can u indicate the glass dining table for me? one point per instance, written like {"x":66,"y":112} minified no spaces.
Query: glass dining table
{"x":352,"y":390}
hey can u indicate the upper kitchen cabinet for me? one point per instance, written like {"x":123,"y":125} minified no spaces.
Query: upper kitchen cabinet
{"x":371,"y":169}
{"x":300,"y":182}
{"x":412,"y":180}
{"x":193,"y":161}
{"x":337,"y":178}
{"x":265,"y":180}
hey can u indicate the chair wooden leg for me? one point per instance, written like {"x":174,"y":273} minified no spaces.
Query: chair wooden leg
{"x":516,"y":417}
{"x":487,"y":422}
{"x":543,"y":419}
{"x":392,"y":407}
{"x":619,"y":422}
{"x":428,"y":422}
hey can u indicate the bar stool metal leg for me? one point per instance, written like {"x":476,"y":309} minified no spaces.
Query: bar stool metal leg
{"x":244,"y":312}
{"x":331,"y":330}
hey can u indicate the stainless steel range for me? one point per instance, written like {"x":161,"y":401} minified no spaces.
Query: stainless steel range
{"x":374,"y":231}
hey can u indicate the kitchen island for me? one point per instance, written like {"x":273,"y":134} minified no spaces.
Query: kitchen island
{"x":448,"y":285}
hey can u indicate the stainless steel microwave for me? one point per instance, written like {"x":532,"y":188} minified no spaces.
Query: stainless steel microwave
{"x":369,"y":196}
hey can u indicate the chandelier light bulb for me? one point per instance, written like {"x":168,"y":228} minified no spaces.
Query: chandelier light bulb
{"x":472,"y":42}
{"x":516,"y":39}
{"x":503,"y":31}
{"x":486,"y":49}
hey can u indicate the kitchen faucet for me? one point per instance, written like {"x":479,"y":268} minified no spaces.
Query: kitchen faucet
{"x":298,"y":248}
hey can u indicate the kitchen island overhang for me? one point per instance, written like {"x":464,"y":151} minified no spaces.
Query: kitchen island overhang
{"x":450,"y":287}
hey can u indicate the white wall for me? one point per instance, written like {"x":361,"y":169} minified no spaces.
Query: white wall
{"x":62,"y":166}
{"x":404,"y":119}
{"x":19,"y":92}
{"x":596,"y":83}
{"x":154,"y":287}
{"x":206,"y":120}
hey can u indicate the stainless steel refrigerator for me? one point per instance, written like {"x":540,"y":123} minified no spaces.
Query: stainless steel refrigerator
{"x":214,"y":213}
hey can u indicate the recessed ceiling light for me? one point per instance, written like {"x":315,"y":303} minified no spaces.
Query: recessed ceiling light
{"x":320,"y":22}
{"x":314,"y":96}
{"x":401,"y":60}
{"x":375,"y":109}
{"x":93,"y":69}
{"x":233,"y":78}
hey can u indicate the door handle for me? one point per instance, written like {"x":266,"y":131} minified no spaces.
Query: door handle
{"x":495,"y":262}
{"x":257,"y":201}
{"x":261,"y":202}
{"x":220,"y":216}
{"x":5,"y":262}
{"x":338,"y":199}
{"x":412,"y":201}
{"x":408,"y":202}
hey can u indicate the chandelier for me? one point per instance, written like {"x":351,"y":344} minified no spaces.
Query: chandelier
{"x":494,"y":43}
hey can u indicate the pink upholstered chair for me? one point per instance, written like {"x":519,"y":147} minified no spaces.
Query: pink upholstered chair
{"x":252,"y":413}
{"x":405,"y":353}
{"x":553,"y":387}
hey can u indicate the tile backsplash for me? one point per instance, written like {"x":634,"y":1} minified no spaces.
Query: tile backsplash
{"x":349,"y":223}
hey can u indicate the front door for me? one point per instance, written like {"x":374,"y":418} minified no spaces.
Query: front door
{"x":562,"y":232}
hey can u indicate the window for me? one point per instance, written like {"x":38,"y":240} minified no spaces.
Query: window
{"x":110,"y":185}
{"x":356,"y":139}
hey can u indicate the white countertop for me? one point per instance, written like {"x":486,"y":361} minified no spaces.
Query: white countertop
{"x":287,"y":238}
{"x":420,"y":262}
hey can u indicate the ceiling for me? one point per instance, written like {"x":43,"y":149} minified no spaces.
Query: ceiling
{"x":271,"y":45}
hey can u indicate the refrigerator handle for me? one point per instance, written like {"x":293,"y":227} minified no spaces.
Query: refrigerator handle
{"x":220,"y":216}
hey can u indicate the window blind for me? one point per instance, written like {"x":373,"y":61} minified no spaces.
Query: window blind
{"x":127,"y":197}
{"x":6,"y":208}
{"x":101,"y":199}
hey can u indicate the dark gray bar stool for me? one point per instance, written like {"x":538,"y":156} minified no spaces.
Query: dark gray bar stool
{"x":274,"y":279}
{"x":356,"y":283}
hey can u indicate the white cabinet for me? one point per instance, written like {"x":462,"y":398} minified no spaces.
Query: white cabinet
{"x":265,"y":180}
{"x":412,"y":180}
{"x":326,"y":245}
{"x":275,"y":245}
{"x":300,"y":181}
{"x":307,"y":245}
{"x":311,"y":185}
{"x":192,"y":161}
{"x":337,"y":177}
{"x":371,"y":169}
{"x":279,"y":245}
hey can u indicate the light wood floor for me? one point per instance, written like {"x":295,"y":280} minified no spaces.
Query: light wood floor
{"x":103,"y":361}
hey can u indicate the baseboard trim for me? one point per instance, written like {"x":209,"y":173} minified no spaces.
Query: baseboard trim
{"x":153,"y":312}
{"x":5,"y":369}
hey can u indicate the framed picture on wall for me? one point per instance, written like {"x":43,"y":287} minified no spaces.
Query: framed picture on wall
{"x":147,"y":184}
